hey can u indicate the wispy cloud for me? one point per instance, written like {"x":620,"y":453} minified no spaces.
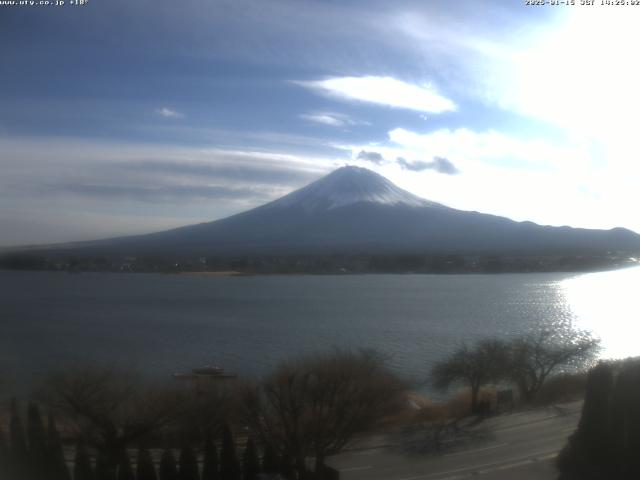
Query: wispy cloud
{"x":332,"y":119}
{"x":373,"y":157}
{"x":238,"y":167}
{"x":156,"y":193}
{"x":386,"y":91}
{"x":438,"y":164}
{"x":183,"y":175}
{"x":42,"y":178}
{"x":168,"y":113}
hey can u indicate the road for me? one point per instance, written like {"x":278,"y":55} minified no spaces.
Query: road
{"x":519,"y":446}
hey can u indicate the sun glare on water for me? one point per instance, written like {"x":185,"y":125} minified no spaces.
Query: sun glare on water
{"x":607,"y":304}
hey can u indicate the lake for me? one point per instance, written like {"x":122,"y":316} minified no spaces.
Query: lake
{"x":169,"y":323}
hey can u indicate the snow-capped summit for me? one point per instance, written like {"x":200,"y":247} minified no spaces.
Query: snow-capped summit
{"x":350,"y":185}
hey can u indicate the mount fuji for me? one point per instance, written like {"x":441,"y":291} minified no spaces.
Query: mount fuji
{"x":356,"y":211}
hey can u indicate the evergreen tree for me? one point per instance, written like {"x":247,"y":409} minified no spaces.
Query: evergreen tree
{"x":19,"y":452}
{"x":37,"y":440}
{"x":82,"y":469}
{"x":587,"y":454}
{"x":606,"y":444}
{"x":593,"y":427}
{"x":286,"y":467}
{"x":188,"y":464}
{"x":270,"y":461}
{"x":4,"y":455}
{"x":626,"y":415}
{"x":168,"y":468}
{"x":125,"y":472}
{"x":634,"y":424}
{"x":146,"y":469}
{"x":55,"y":453}
{"x":229,"y":465}
{"x":250,"y":461}
{"x":210,"y":461}
{"x":104,"y":469}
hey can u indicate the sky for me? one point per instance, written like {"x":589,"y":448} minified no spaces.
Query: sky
{"x":130,"y":117}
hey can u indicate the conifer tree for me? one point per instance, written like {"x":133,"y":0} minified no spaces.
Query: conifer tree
{"x":229,"y":465}
{"x":250,"y":461}
{"x":593,"y":426}
{"x":286,"y":467}
{"x":37,"y":440}
{"x":125,"y":472}
{"x":82,"y":469}
{"x":4,"y":455}
{"x":104,"y":468}
{"x":270,"y":462}
{"x":18,"y":450}
{"x":168,"y":468}
{"x":146,"y":469}
{"x":625,"y":423}
{"x":210,"y":461}
{"x":607,"y":441}
{"x":55,"y":453}
{"x":188,"y":464}
{"x":587,"y":452}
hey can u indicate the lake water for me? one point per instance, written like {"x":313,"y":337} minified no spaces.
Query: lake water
{"x":168,"y":323}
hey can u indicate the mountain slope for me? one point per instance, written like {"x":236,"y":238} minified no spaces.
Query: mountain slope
{"x":354,"y":210}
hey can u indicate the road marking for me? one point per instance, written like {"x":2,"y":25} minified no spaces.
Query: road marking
{"x":477,"y":469}
{"x":465,"y":452}
{"x":355,"y":469}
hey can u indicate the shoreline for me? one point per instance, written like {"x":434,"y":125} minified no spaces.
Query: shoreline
{"x":236,"y":273}
{"x":223,"y":273}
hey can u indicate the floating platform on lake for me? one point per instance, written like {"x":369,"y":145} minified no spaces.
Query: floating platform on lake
{"x":205,"y":374}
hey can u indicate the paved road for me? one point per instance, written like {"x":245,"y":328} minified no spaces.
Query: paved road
{"x":519,"y":446}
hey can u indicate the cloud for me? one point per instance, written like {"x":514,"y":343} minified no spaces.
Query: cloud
{"x":332,"y":119}
{"x":61,"y":225}
{"x":386,"y":91}
{"x":373,"y":157}
{"x":238,"y":171}
{"x":43,"y":177}
{"x":185,"y":176}
{"x":439,"y":164}
{"x":168,"y":113}
{"x":155,"y":193}
{"x":466,"y":147}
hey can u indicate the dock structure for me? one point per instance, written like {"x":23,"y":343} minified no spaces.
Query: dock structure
{"x":203,"y":376}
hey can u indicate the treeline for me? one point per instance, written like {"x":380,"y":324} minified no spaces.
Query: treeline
{"x":321,"y":264}
{"x":112,"y":422}
{"x":37,"y":453}
{"x":113,"y":425}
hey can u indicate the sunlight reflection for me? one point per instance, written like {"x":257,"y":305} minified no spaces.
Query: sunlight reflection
{"x":606,"y":304}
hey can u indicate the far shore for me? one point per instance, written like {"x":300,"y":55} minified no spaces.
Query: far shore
{"x":227,"y":273}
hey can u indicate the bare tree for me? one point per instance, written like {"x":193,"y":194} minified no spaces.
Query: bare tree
{"x":111,"y":409}
{"x":536,"y":356}
{"x":472,"y":366}
{"x":315,"y":406}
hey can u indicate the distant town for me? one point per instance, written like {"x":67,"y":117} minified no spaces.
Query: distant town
{"x":321,"y":264}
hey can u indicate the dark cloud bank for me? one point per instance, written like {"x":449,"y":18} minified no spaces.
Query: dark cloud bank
{"x":373,"y":157}
{"x":439,"y":164}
